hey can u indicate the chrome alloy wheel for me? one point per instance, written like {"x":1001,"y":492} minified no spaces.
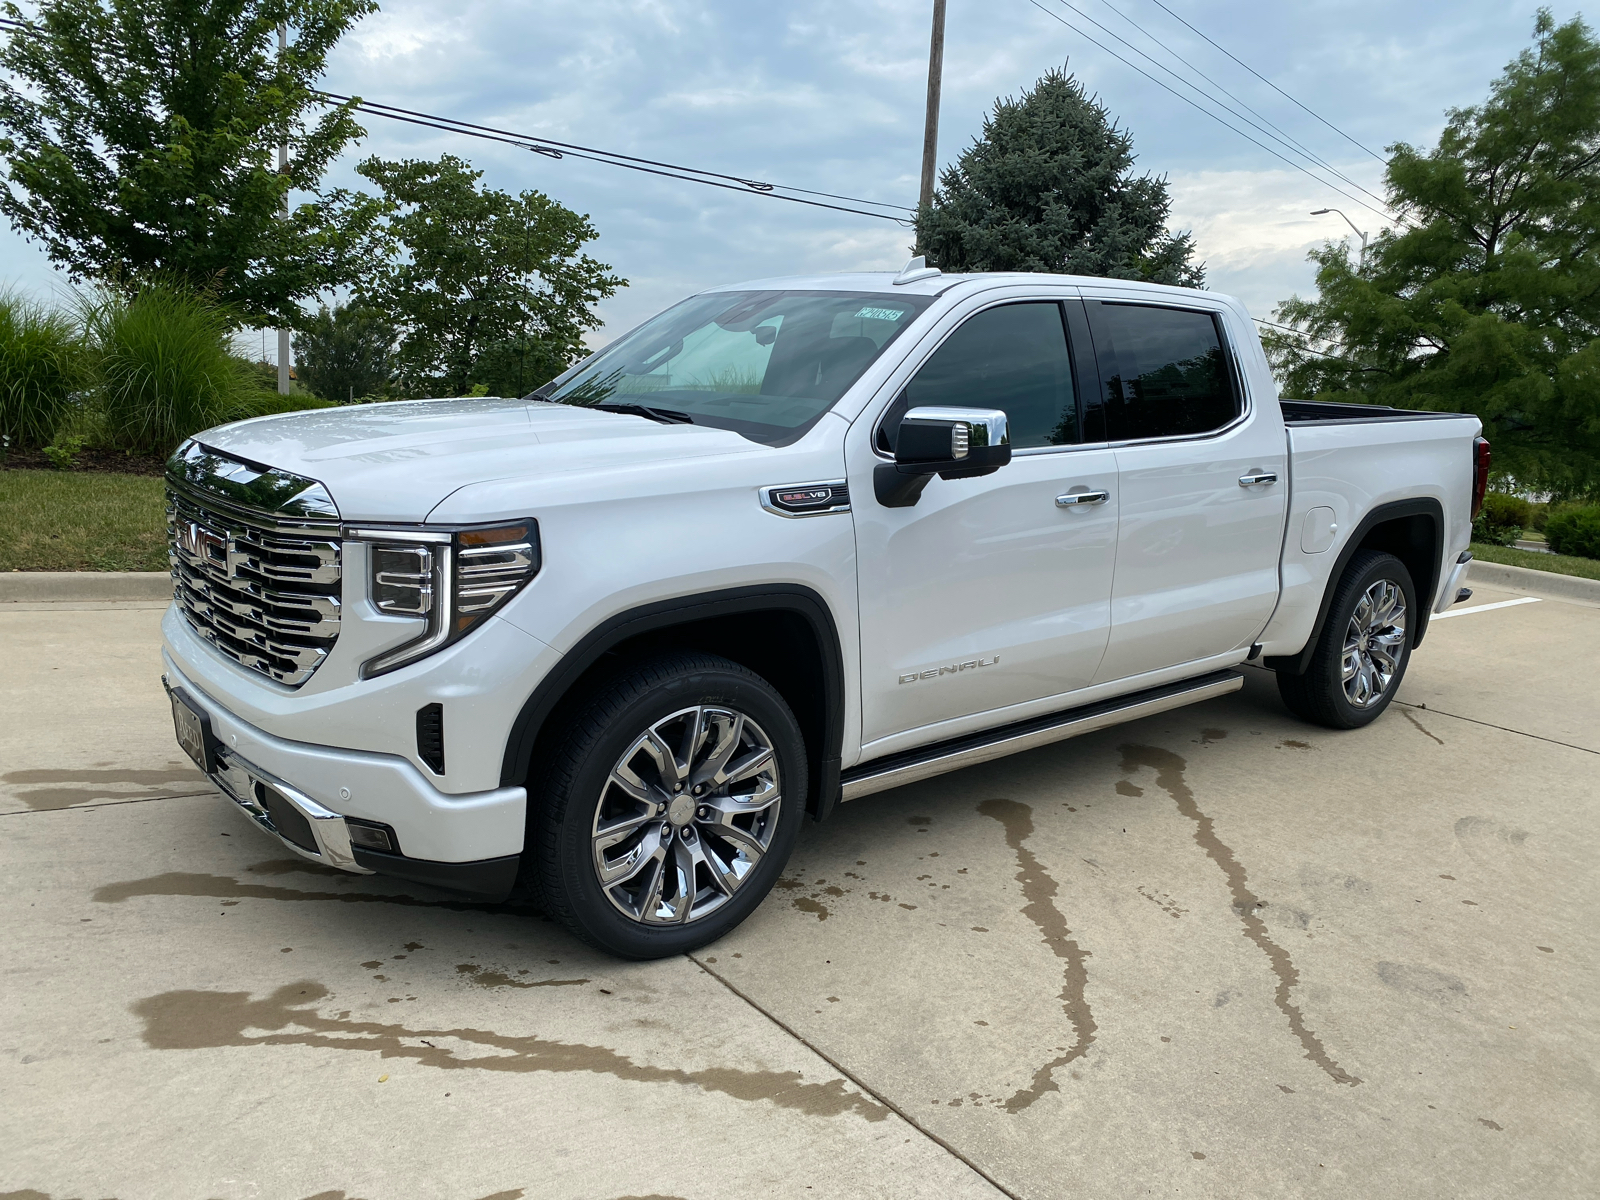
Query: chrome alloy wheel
{"x":686,"y":815}
{"x":1374,"y":643}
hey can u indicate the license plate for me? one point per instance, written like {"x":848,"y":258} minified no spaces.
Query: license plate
{"x":190,"y":725}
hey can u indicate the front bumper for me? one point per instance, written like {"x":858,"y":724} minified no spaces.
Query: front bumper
{"x":302,"y":793}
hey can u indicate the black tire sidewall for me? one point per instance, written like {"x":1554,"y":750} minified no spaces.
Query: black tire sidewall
{"x":596,"y":745}
{"x":1330,"y":653}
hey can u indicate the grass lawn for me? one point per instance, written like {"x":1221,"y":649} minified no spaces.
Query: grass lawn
{"x":1560,"y":564}
{"x":81,"y":521}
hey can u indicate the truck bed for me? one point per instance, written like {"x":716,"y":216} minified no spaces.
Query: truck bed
{"x":1319,"y":412}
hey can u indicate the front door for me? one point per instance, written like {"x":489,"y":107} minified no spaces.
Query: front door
{"x":988,"y":593}
{"x":1198,"y":546}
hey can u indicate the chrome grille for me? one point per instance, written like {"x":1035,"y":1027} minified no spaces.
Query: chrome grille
{"x":262,"y":588}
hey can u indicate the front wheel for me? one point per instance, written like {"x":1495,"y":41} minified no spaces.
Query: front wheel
{"x":671,"y":807}
{"x":1364,"y":647}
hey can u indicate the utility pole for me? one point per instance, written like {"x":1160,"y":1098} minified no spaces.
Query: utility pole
{"x":283,"y":169}
{"x":930,"y":136}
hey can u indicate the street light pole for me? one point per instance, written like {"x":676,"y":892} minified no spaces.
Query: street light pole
{"x":1362,"y":261}
{"x":930,"y":133}
{"x":283,"y":169}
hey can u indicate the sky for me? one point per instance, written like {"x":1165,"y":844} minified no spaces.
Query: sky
{"x":830,"y":94}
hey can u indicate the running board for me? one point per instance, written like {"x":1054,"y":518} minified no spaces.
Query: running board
{"x":925,"y":762}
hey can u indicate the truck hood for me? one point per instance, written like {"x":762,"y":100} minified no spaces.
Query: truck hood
{"x":397,"y":461}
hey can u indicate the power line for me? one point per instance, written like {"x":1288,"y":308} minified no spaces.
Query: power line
{"x":1269,"y":128}
{"x":1302,"y":346}
{"x":1269,"y":82}
{"x":554,"y":149}
{"x":1200,"y":108}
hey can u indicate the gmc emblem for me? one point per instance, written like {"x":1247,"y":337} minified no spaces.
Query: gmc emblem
{"x":202,"y":543}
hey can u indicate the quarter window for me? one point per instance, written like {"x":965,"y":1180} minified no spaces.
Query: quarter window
{"x":1013,"y":358}
{"x":1165,"y":369}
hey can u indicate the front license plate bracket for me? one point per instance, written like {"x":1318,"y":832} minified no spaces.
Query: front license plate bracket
{"x":193,"y":729}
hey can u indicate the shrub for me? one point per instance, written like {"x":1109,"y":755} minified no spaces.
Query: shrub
{"x":41,"y":364}
{"x":265,"y":404}
{"x":345,"y":353}
{"x":165,"y":368}
{"x":1575,"y":531}
{"x":1502,"y":520}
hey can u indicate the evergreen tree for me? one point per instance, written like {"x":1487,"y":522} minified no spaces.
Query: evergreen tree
{"x":1049,"y":186}
{"x":344,"y":354}
{"x":1488,"y":300}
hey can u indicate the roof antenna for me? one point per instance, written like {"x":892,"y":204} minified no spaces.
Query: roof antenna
{"x":914,"y":270}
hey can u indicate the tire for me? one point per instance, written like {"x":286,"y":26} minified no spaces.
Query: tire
{"x":619,"y":797}
{"x":1374,"y":643}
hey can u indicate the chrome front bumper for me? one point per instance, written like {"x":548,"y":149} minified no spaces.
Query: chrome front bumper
{"x":257,"y":792}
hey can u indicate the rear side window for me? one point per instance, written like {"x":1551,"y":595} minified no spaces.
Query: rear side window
{"x":1165,"y":369}
{"x":1013,"y":358}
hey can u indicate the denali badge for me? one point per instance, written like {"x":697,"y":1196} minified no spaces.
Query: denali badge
{"x":953,"y":668}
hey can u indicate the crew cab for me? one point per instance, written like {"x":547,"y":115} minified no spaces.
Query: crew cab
{"x":785,"y":545}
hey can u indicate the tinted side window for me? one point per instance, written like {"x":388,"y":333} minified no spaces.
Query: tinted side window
{"x":1013,"y":358}
{"x":1167,"y":374}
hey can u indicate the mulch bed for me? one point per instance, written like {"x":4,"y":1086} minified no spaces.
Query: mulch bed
{"x":114,"y":462}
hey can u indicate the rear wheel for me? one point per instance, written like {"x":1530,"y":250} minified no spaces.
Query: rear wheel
{"x":1362,"y":653}
{"x":671,"y":807}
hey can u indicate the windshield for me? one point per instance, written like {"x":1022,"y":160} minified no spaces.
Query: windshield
{"x":763,"y":364}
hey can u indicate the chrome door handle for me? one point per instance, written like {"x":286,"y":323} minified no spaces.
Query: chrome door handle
{"x":1072,"y":499}
{"x":1257,"y":479}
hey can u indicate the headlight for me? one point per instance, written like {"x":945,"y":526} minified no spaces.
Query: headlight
{"x":452,"y":579}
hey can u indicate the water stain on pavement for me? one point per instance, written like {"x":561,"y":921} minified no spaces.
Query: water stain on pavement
{"x":202,"y":1020}
{"x":1420,"y":728}
{"x":1039,"y":890}
{"x":1169,"y":769}
{"x":221,"y":887}
{"x":97,"y":786}
{"x":477,"y":975}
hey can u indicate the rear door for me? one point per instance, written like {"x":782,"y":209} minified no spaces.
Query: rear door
{"x":1198,"y":546}
{"x":988,"y":593}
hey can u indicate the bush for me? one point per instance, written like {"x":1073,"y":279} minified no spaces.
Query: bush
{"x":41,"y":364}
{"x":265,"y":404}
{"x":1575,"y":531}
{"x":344,"y":354}
{"x":165,"y":367}
{"x":1502,"y":520}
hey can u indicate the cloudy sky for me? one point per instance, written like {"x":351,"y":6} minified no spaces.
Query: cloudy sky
{"x":829,"y":95}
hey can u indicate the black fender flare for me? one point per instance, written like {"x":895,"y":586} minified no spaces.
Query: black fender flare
{"x":1422,"y":506}
{"x":792,"y":598}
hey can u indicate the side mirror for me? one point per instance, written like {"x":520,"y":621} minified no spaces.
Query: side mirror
{"x":952,"y":443}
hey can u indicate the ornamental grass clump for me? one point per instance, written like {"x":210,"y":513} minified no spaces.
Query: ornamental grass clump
{"x":42,"y":364}
{"x":165,"y":367}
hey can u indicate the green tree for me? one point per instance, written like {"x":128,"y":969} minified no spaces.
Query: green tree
{"x":1049,"y":186}
{"x":344,"y":354}
{"x":1488,"y":301}
{"x":468,"y":274}
{"x":141,"y":136}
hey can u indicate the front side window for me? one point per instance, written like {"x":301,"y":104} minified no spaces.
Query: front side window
{"x":763,"y":364}
{"x":1165,"y":369}
{"x":1013,"y":358}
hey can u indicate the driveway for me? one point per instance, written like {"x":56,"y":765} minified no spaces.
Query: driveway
{"x":1212,"y":953}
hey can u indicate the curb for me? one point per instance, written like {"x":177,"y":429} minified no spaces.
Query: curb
{"x":1536,"y":583}
{"x":84,"y":585}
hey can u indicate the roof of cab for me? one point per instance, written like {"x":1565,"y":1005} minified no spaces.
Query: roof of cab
{"x":934,"y":285}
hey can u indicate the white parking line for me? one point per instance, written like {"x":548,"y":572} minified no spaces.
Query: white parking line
{"x":1461,"y":612}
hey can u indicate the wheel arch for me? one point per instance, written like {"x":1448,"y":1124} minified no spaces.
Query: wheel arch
{"x":1411,"y":530}
{"x":784,"y":633}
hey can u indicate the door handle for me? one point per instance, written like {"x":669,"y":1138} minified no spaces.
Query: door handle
{"x":1258,"y":478}
{"x":1072,"y":499}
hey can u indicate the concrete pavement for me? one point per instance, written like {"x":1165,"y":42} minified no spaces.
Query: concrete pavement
{"x":1214,"y":953}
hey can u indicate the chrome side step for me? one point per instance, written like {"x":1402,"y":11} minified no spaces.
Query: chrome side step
{"x":925,"y":762}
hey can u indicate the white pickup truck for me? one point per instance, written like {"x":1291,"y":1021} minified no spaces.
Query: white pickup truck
{"x":785,"y":545}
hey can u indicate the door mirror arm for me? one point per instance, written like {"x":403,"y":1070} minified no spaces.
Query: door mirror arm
{"x":952,"y":443}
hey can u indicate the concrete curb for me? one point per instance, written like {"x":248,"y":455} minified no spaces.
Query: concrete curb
{"x":1535,"y":583}
{"x":18,"y":586}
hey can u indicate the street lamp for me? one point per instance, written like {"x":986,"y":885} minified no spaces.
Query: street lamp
{"x":1362,"y":261}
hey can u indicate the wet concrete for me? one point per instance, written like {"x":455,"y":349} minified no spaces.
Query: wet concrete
{"x":1214,"y":953}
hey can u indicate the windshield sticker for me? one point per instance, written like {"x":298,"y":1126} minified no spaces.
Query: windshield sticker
{"x":882,"y":314}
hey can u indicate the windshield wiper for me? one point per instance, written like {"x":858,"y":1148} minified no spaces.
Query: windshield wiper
{"x":667,"y":416}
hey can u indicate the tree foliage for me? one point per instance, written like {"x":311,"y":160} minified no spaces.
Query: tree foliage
{"x":484,"y":288}
{"x":141,"y":136}
{"x":344,"y":354}
{"x":1488,"y":301}
{"x":1049,"y":186}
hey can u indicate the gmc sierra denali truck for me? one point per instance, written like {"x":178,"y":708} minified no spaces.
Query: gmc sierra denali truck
{"x":785,"y":545}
